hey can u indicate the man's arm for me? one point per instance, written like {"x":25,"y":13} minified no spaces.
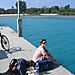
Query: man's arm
{"x":49,"y":56}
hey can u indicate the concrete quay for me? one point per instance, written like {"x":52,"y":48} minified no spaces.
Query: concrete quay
{"x":26,"y":51}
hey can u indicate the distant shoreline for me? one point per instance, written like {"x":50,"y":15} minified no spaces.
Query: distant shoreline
{"x":8,"y":15}
{"x":27,"y":15}
{"x":3,"y":15}
{"x":48,"y":14}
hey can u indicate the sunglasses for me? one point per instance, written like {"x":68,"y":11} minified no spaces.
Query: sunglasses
{"x":44,"y":42}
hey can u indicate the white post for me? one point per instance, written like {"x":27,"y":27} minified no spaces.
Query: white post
{"x":18,"y":9}
{"x":19,"y":22}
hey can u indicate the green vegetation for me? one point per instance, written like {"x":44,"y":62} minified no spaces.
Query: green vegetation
{"x":22,"y":5}
{"x":66,"y":10}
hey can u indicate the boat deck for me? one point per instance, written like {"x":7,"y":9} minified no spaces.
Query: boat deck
{"x":21,"y":48}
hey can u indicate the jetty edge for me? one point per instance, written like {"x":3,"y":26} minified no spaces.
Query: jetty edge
{"x":27,"y":51}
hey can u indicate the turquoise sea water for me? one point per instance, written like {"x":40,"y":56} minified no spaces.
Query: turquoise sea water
{"x":59,"y":32}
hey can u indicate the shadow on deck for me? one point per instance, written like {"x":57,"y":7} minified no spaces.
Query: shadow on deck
{"x":3,"y":54}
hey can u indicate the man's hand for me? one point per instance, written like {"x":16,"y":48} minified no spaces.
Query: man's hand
{"x":54,"y":60}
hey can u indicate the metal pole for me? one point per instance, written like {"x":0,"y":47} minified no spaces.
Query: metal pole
{"x":19,"y":21}
{"x":18,"y":9}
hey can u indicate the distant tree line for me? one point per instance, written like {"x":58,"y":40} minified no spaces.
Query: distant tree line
{"x":53,"y":10}
{"x":66,"y":10}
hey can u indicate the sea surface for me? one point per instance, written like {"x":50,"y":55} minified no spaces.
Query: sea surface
{"x":58,"y":30}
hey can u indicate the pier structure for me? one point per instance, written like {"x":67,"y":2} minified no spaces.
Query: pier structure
{"x":26,"y":51}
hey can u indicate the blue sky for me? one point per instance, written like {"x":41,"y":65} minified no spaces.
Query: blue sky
{"x":38,"y":3}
